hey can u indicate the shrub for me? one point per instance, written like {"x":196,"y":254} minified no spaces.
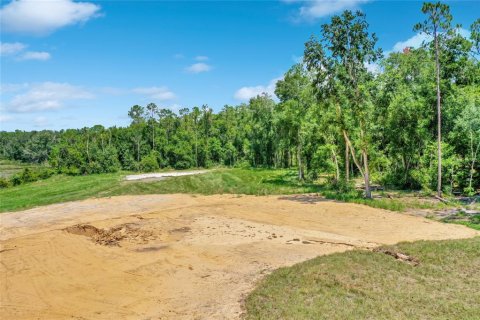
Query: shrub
{"x":4,"y":183}
{"x":28,"y":175}
{"x":16,"y":180}
{"x":149,"y":163}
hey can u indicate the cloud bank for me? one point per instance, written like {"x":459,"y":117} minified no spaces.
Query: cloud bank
{"x":43,"y":17}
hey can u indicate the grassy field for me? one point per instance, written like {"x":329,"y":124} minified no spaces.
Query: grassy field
{"x":8,"y":168}
{"x":58,"y":188}
{"x":62,"y":188}
{"x":369,"y":285}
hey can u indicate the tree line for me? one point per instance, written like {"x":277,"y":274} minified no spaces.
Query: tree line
{"x":409,"y":120}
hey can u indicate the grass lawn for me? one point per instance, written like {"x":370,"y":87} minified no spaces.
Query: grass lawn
{"x":58,"y":188}
{"x":61,"y":188}
{"x":368,"y":285}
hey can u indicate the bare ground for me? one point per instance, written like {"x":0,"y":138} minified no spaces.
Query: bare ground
{"x":176,"y":256}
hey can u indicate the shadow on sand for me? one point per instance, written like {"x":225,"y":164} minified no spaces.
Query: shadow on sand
{"x":307,"y":198}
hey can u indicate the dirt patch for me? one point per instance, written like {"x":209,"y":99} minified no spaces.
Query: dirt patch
{"x":177,"y":256}
{"x":181,"y":230}
{"x":399,"y":256}
{"x":112,"y":236}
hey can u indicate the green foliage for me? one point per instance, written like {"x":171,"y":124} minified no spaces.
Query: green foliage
{"x":4,"y":183}
{"x":27,"y":175}
{"x":149,"y":163}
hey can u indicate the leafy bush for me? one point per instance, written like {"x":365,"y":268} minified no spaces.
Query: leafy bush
{"x":28,"y":175}
{"x":149,"y":163}
{"x":4,"y":183}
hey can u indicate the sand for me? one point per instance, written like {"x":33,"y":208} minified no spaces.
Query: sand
{"x":177,"y":256}
{"x":161,"y":175}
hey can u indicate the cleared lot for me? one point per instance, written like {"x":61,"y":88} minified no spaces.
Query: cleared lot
{"x":177,"y":256}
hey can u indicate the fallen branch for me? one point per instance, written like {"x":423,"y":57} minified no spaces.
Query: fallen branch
{"x":441,"y":199}
{"x":399,"y":256}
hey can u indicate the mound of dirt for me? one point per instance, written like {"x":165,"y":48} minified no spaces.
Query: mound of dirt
{"x":112,"y":236}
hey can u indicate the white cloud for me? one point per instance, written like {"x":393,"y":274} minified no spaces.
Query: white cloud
{"x":198,"y":68}
{"x":320,"y":8}
{"x":7,"y":48}
{"x":16,"y":49}
{"x":201,"y":58}
{"x":158,"y":93}
{"x":415,"y":42}
{"x":35,"y":55}
{"x":12,"y":87}
{"x":46,"y":96}
{"x":5,"y":118}
{"x":246,"y":93}
{"x":43,"y":17}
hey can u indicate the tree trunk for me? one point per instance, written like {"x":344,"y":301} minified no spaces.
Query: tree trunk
{"x":153,"y":136}
{"x":337,"y":169}
{"x":439,"y":118}
{"x":368,"y":193}
{"x":352,"y":152}
{"x":474,"y":158}
{"x":299,"y":163}
{"x":347,"y":163}
{"x":301,"y":176}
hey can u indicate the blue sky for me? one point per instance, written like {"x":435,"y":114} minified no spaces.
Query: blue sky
{"x":67,"y":64}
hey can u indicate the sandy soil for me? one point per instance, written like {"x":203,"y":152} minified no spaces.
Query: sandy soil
{"x":176,"y":256}
{"x":161,"y":175}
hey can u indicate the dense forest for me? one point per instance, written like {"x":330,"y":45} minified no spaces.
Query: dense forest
{"x":347,"y":110}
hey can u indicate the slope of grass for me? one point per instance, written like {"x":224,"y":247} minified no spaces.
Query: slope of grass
{"x":59,"y":188}
{"x":368,"y":285}
{"x":238,"y":181}
{"x":62,"y":188}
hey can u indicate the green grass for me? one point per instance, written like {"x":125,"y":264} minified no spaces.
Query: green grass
{"x":59,"y":188}
{"x":401,"y":204}
{"x":63,"y":188}
{"x":368,"y":285}
{"x":8,"y":167}
{"x":220,"y":181}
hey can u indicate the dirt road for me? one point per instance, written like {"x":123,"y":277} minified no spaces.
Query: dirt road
{"x":176,"y":256}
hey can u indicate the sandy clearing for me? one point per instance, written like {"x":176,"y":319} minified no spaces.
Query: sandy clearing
{"x":176,"y":256}
{"x":160,"y":175}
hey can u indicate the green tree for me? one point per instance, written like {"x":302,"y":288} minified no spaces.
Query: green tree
{"x":339,"y":64}
{"x":437,"y":24}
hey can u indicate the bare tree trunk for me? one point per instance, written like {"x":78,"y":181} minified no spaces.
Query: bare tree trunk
{"x":337,"y":169}
{"x":299,"y":163}
{"x":474,"y":158}
{"x":439,"y":118}
{"x":368,"y":193}
{"x":352,"y":152}
{"x":347,"y":163}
